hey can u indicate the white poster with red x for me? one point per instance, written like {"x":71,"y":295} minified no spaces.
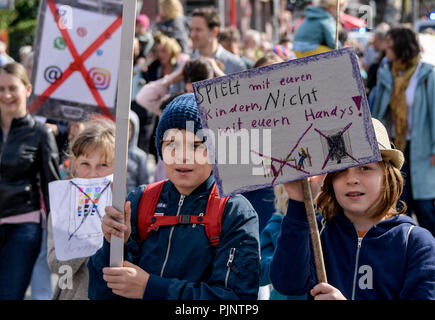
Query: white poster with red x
{"x":77,"y":52}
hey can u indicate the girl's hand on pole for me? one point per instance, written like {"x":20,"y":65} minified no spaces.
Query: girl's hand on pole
{"x":316,"y":184}
{"x":294,"y":190}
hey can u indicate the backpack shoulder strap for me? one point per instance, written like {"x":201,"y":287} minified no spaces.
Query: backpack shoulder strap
{"x":214,"y":210}
{"x":212,"y":220}
{"x":147,"y":205}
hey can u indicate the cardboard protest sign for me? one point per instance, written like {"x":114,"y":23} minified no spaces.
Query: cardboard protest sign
{"x":286,"y":121}
{"x":77,"y":209}
{"x":77,"y":50}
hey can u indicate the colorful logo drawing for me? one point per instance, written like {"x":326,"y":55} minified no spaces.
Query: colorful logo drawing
{"x":59,"y":43}
{"x":82,"y":32}
{"x":87,"y":206}
{"x":99,"y":78}
{"x":52,"y":73}
{"x":304,"y":156}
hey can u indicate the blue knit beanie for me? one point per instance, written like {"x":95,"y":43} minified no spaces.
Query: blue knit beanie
{"x":180,"y":110}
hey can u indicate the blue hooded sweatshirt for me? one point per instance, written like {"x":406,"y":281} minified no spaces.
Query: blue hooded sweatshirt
{"x":318,"y":28}
{"x":394,"y":260}
{"x":180,"y":259}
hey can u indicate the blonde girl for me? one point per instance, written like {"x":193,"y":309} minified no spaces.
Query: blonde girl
{"x":92,"y":154}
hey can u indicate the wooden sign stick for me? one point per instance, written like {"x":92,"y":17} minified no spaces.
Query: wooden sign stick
{"x":309,"y":207}
{"x":337,"y":13}
{"x":122,"y":122}
{"x":314,"y":232}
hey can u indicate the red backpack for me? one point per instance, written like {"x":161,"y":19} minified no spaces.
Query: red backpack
{"x":212,"y":220}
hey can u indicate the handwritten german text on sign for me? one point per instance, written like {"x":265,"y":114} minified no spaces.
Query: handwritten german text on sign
{"x":286,"y":121}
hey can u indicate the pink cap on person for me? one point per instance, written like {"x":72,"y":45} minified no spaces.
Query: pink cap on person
{"x":143,"y":20}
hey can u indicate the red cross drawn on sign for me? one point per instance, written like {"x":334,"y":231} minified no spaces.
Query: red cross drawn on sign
{"x":285,"y":162}
{"x":78,"y":63}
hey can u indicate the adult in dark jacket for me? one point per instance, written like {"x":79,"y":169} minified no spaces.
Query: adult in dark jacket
{"x":173,"y":23}
{"x":177,"y":262}
{"x":29,"y":160}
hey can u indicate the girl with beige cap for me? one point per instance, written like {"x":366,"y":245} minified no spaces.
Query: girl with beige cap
{"x":371,"y":250}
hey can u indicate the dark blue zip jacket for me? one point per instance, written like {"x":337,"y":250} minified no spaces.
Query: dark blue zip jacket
{"x":394,"y":260}
{"x":180,"y":260}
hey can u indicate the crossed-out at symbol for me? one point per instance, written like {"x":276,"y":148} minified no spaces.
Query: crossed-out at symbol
{"x":287,"y":160}
{"x":334,"y":151}
{"x":52,"y":73}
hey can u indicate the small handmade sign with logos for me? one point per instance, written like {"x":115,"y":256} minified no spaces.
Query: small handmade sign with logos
{"x":286,"y":121}
{"x":77,"y":52}
{"x":77,"y":210}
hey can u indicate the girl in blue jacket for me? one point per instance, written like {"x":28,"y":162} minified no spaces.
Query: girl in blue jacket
{"x":317,"y":32}
{"x":178,"y":262}
{"x":371,"y":250}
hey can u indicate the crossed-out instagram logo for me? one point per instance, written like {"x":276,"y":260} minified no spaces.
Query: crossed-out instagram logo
{"x":99,"y":78}
{"x":242,"y":147}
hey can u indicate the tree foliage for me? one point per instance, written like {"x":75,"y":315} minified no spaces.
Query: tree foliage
{"x":20,"y":24}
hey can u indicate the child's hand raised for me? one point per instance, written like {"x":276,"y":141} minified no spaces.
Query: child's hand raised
{"x":111,"y":225}
{"x":295,"y":190}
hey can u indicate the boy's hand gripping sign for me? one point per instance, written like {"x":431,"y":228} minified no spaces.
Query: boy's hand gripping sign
{"x":286,"y":121}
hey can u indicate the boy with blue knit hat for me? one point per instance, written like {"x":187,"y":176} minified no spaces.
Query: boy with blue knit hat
{"x":183,"y":241}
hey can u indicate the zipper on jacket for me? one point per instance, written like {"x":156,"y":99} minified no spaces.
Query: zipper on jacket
{"x":180,"y":203}
{"x":230,"y":266}
{"x":356,"y":265}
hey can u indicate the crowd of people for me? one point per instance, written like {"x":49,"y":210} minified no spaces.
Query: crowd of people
{"x":376,"y":221}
